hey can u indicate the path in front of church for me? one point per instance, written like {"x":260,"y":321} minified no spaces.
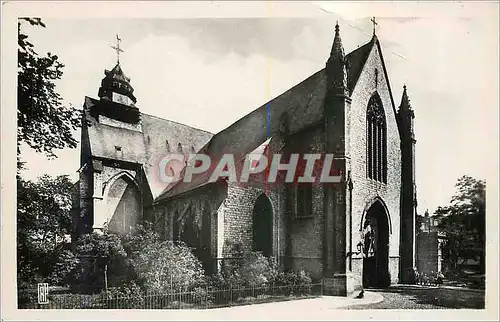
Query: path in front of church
{"x":320,"y":308}
{"x":426,"y":297}
{"x":324,"y":308}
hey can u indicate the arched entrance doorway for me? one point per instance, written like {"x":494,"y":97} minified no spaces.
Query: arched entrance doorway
{"x":263,"y":225}
{"x":376,"y":247}
{"x":124,"y":205}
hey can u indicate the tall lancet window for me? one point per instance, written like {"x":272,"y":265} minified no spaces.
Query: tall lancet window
{"x":376,"y":140}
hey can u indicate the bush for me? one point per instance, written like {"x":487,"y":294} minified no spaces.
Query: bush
{"x":130,"y":293}
{"x":65,"y":270}
{"x":257,"y":270}
{"x":127,"y":290}
{"x":163,"y":266}
{"x":97,"y":252}
{"x":76,"y":301}
{"x":248,"y":269}
{"x":298,"y":278}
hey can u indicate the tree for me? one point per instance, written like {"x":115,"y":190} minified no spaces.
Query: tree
{"x":43,"y":122}
{"x":463,"y":222}
{"x":44,"y":221}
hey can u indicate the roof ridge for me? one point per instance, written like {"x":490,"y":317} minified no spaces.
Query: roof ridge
{"x":161,"y":118}
{"x":179,"y":123}
{"x":274,"y":98}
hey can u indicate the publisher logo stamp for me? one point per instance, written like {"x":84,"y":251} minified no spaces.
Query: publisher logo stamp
{"x":43,"y":293}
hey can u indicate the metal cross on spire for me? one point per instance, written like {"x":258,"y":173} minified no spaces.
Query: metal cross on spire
{"x":117,"y":49}
{"x":374,"y":24}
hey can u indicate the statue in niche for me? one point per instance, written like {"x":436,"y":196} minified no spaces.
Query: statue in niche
{"x":368,"y":240}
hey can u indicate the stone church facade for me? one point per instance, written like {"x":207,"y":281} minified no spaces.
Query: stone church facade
{"x":359,"y":232}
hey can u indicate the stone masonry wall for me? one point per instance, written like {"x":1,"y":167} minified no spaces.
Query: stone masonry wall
{"x":307,"y":234}
{"x":364,"y":189}
{"x":238,"y":217}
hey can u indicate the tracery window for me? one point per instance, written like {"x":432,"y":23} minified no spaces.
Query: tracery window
{"x":376,"y":140}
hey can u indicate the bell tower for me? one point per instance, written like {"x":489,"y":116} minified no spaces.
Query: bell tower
{"x":116,"y":86}
{"x":117,"y":100}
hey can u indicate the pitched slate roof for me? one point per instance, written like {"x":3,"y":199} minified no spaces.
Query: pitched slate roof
{"x":303,"y":104}
{"x":143,"y":145}
{"x":159,"y":131}
{"x":105,"y":138}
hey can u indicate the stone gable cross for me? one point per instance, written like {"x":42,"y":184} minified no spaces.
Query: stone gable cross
{"x":118,"y":49}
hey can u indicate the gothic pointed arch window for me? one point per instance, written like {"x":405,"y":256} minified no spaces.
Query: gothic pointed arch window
{"x":376,"y":140}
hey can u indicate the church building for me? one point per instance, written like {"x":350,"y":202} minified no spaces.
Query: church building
{"x":357,"y":233}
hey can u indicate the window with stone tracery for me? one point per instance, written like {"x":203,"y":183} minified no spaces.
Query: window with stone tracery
{"x":376,"y":140}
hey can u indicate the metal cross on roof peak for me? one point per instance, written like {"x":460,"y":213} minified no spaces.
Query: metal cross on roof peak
{"x":118,"y":49}
{"x":374,"y":24}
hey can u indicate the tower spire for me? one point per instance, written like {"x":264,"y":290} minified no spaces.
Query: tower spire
{"x":405,"y":101}
{"x":336,"y":65}
{"x":337,"y":48}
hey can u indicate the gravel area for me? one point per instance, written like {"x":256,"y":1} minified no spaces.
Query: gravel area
{"x":426,"y":298}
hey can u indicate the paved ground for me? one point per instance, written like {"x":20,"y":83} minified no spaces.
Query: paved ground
{"x":334,"y":308}
{"x":322,"y":308}
{"x":328,"y":308}
{"x":426,"y":297}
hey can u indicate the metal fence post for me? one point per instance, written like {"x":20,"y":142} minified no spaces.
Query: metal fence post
{"x":206,"y":297}
{"x":231,"y":294}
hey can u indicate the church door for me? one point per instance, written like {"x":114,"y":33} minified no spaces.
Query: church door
{"x":376,"y":247}
{"x":263,"y":226}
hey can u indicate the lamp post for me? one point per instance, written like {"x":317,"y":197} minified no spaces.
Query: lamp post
{"x":359,"y":250}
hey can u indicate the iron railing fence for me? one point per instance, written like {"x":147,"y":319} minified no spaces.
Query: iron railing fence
{"x":201,"y":298}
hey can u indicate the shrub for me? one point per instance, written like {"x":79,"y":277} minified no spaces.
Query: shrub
{"x":66,"y":269}
{"x":257,"y":270}
{"x":248,"y":269}
{"x":76,"y":301}
{"x":129,"y":294}
{"x":163,"y":266}
{"x":298,"y":278}
{"x":97,"y":252}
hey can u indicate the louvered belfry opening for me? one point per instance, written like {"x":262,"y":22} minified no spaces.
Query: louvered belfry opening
{"x":376,"y":140}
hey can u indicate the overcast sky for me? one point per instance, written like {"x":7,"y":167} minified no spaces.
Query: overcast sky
{"x":207,"y":73}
